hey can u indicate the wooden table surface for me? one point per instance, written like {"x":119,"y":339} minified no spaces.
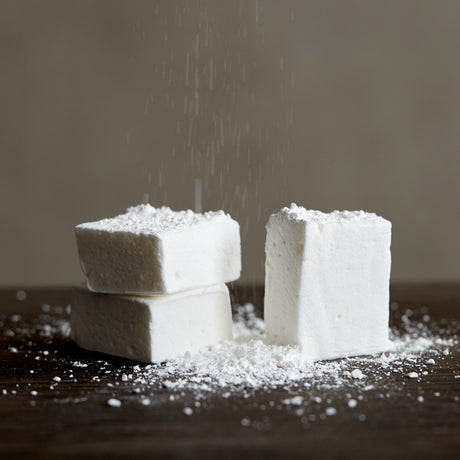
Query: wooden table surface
{"x":70,"y":418}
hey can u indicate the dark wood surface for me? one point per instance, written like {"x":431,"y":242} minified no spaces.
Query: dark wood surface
{"x":73,"y":420}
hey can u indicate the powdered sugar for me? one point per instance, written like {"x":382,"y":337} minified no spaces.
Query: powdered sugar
{"x":113,"y":402}
{"x":249,"y":363}
{"x":299,"y":213}
{"x":147,"y":220}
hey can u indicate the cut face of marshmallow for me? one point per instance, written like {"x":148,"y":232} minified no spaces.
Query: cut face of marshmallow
{"x":327,"y":282}
{"x":159,"y":251}
{"x":151,"y":329}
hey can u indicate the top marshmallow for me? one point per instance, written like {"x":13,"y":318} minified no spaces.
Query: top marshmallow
{"x":149,"y":250}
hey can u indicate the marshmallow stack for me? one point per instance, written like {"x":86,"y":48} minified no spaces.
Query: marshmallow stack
{"x":155,"y":282}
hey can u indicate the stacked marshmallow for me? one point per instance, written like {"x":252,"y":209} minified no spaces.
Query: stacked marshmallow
{"x":155,"y":282}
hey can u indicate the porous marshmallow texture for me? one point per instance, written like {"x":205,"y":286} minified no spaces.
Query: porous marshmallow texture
{"x":327,"y":282}
{"x":151,"y":250}
{"x":151,"y":329}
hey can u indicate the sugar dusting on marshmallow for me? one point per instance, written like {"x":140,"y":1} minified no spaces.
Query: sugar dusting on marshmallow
{"x":300,"y":214}
{"x":146,"y":220}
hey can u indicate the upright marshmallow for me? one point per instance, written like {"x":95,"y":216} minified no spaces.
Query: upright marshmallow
{"x":327,"y":282}
{"x":151,"y":329}
{"x":156,"y":250}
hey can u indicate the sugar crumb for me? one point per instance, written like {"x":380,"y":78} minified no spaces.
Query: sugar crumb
{"x":21,"y":295}
{"x":357,"y":374}
{"x":245,"y":421}
{"x":352,"y":403}
{"x":295,"y":401}
{"x":113,"y":402}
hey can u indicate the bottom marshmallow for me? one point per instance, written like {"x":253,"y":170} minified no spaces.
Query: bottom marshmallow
{"x":151,"y":329}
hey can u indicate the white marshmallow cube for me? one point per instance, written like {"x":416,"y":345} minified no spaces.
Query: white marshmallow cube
{"x":151,"y":329}
{"x":327,"y":282}
{"x":151,"y":250}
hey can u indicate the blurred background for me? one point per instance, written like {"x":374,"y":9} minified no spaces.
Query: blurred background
{"x":329,"y":104}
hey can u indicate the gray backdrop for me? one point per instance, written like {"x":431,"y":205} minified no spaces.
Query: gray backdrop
{"x":330,"y":104}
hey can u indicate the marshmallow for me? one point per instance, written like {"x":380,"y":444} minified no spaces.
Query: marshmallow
{"x":151,"y":329}
{"x":156,"y":250}
{"x":327,"y":282}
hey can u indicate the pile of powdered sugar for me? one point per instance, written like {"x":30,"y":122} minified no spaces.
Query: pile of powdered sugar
{"x":249,"y":363}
